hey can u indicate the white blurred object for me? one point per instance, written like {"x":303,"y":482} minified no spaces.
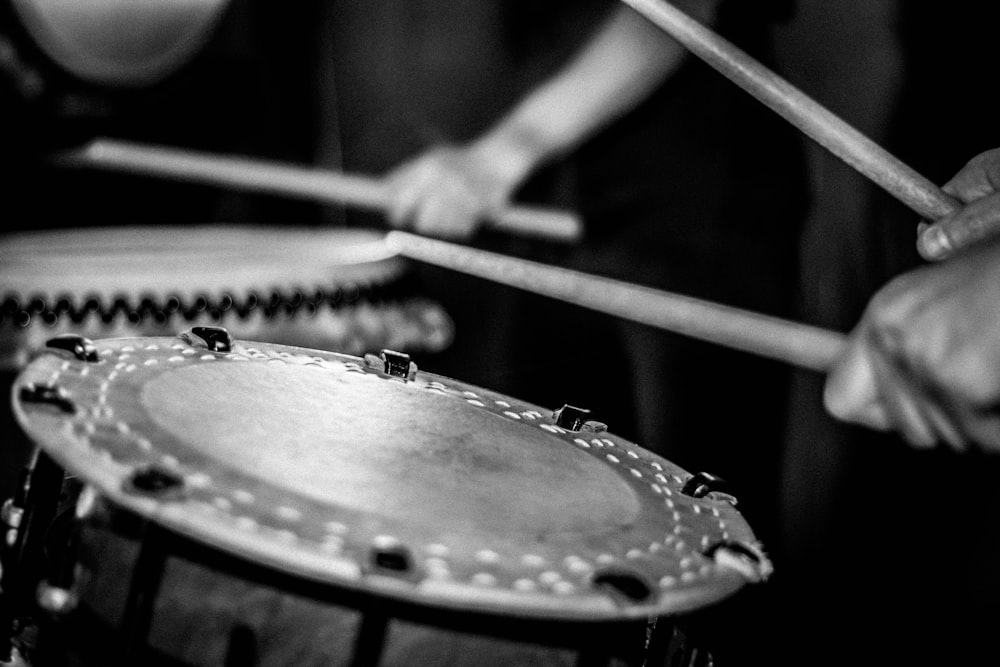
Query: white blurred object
{"x":120,"y":42}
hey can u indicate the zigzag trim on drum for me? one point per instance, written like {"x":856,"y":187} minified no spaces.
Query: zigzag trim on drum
{"x":18,"y":310}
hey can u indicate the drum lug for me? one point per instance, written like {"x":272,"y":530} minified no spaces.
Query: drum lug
{"x":572,"y":418}
{"x":392,"y":560}
{"x":624,"y":586}
{"x":390,"y":557}
{"x":703,"y":484}
{"x":746,"y":559}
{"x":155,"y":481}
{"x":391,"y":363}
{"x":51,"y":394}
{"x":81,"y":348}
{"x":214,"y":339}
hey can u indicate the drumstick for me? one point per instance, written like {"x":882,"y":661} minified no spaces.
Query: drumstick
{"x":287,"y":180}
{"x":791,"y":342}
{"x":818,"y":123}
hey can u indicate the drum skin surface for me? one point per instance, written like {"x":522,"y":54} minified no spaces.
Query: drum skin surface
{"x":415,"y":488}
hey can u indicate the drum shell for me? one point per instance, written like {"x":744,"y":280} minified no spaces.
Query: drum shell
{"x":205,"y":613}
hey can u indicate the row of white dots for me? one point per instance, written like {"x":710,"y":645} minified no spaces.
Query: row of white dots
{"x":487,"y":556}
{"x":195,"y":480}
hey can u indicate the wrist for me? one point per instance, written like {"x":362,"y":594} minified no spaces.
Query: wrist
{"x":513,"y":152}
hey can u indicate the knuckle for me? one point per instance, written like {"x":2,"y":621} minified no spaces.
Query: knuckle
{"x":889,"y":310}
{"x":966,"y":381}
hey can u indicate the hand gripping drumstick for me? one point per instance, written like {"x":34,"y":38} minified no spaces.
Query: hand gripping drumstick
{"x":794,"y":343}
{"x":291,"y":181}
{"x":829,"y":131}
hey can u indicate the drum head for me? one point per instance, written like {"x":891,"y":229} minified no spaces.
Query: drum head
{"x":425,"y":490}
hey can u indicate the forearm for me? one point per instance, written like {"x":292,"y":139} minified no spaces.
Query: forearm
{"x":620,"y":65}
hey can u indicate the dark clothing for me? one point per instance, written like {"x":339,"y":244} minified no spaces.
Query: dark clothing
{"x":891,"y":548}
{"x":402,"y":77}
{"x":700,"y":190}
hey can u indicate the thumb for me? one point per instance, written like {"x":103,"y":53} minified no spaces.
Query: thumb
{"x":967,"y":226}
{"x":851,"y":393}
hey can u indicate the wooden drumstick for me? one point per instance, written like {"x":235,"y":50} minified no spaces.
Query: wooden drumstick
{"x":792,"y":342}
{"x":287,"y":180}
{"x":818,"y":123}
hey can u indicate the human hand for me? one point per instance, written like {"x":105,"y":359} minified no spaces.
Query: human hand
{"x":449,"y":191}
{"x":925,"y":358}
{"x":977,"y":185}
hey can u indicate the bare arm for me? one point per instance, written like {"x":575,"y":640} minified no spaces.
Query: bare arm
{"x":446,"y":190}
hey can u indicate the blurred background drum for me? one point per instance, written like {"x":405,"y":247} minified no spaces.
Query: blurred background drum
{"x":333,"y":289}
{"x":248,"y":503}
{"x":67,"y":67}
{"x":119,"y":42}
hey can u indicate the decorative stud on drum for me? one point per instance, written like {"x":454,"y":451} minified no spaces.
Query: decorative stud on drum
{"x":249,"y":503}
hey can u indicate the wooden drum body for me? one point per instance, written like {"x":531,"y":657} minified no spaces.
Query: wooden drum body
{"x":249,"y":503}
